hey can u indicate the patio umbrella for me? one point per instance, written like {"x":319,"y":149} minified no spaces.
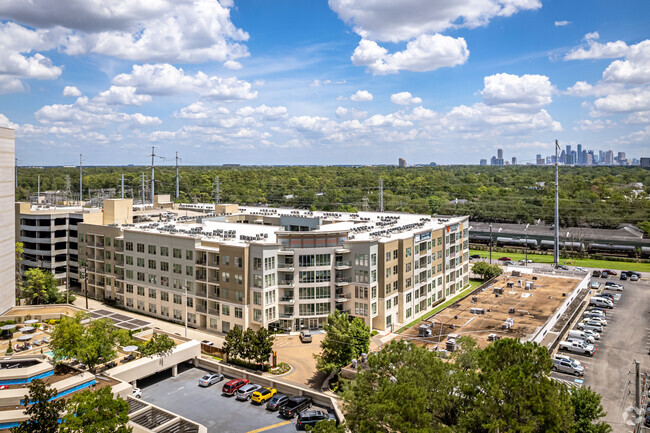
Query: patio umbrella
{"x":31,"y":321}
{"x":7,"y":327}
{"x":24,"y":338}
{"x":130,"y":348}
{"x":27,"y":329}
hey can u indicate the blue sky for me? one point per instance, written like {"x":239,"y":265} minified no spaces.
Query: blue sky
{"x":318,"y":82}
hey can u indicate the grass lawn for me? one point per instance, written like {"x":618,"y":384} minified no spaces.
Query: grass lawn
{"x":473,"y":284}
{"x":587,"y":263}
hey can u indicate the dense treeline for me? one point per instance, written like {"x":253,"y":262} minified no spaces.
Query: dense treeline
{"x":594,"y":196}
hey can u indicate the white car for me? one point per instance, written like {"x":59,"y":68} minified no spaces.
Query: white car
{"x":579,"y":269}
{"x":210,"y":379}
{"x":137,"y":393}
{"x":590,"y":324}
{"x":207,"y":342}
{"x":525,"y":262}
{"x":614,"y":287}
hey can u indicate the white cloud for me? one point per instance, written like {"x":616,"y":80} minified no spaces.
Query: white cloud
{"x":526,"y":91}
{"x":121,"y":96}
{"x":319,"y":83}
{"x":10,"y":85}
{"x":425,"y":53}
{"x":353,"y":113}
{"x":201,"y":110}
{"x":361,"y":96}
{"x":71,"y":91}
{"x":268,"y":113}
{"x":233,"y":65}
{"x":562,"y":23}
{"x":394,"y":21}
{"x":635,"y":69}
{"x":165,"y":79}
{"x":624,"y":102}
{"x":596,"y":50}
{"x":187,"y":31}
{"x":594,"y":125}
{"x":6,"y":123}
{"x":404,"y":98}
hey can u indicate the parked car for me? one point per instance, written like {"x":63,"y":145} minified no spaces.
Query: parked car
{"x":525,"y":262}
{"x":610,"y":272}
{"x":601,"y":302}
{"x":295,"y":405}
{"x":579,"y":269}
{"x":601,"y":320}
{"x":305,"y":336}
{"x":574,"y":333}
{"x":598,"y":314}
{"x":510,"y":263}
{"x":277,"y":401}
{"x":207,"y":342}
{"x":592,"y":333}
{"x":567,"y":366}
{"x":578,"y":347}
{"x":475,"y":256}
{"x":246,"y":392}
{"x":311,"y":417}
{"x":230,"y":387}
{"x":602,"y":311}
{"x":623,"y":276}
{"x":262,"y":395}
{"x":588,"y":324}
{"x":595,"y":273}
{"x":608,"y":295}
{"x":210,"y":379}
{"x":563,"y":267}
{"x":136,"y":393}
{"x":603,"y":274}
{"x":594,"y":285}
{"x":505,"y":259}
{"x":634,"y":277}
{"x":610,"y":285}
{"x":630,"y":273}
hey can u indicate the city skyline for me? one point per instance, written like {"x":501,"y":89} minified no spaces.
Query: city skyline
{"x":322,"y":82}
{"x":568,"y":156}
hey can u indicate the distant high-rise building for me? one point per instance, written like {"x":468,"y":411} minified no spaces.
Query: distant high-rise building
{"x":621,"y":158}
{"x":609,"y":158}
{"x":494,"y":161}
{"x":601,"y":157}
{"x":563,"y":157}
{"x":402,"y":162}
{"x":568,"y":149}
{"x":645,"y":162}
{"x":499,"y":153}
{"x":483,"y":162}
{"x":514,"y":160}
{"x":590,"y":159}
{"x":540,"y":160}
{"x":579,"y":154}
{"x":433,"y":164}
{"x":583,"y":157}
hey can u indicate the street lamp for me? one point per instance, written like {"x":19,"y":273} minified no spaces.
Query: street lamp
{"x":526,"y":246}
{"x":185,"y":302}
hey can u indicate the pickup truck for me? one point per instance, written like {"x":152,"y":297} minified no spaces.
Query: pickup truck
{"x":578,"y":347}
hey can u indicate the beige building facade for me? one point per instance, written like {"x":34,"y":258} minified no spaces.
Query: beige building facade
{"x":7,"y":221}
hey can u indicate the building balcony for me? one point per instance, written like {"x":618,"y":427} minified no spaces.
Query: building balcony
{"x":286,"y":315}
{"x":201,"y":293}
{"x":285,"y":253}
{"x":341,"y":250}
{"x":286,"y":267}
{"x":285,"y":284}
{"x":342,"y":264}
{"x":213,"y":311}
{"x":201,"y":308}
{"x":287,"y":300}
{"x":342,"y":297}
{"x":342,"y":281}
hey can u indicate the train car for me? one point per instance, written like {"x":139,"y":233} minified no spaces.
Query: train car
{"x":645,"y":252}
{"x":502,"y":241}
{"x":478,"y":239}
{"x":513,"y":242}
{"x":546,"y":245}
{"x":612,"y":250}
{"x":570,"y":246}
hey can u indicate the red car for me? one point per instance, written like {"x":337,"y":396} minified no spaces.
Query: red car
{"x":230,"y":387}
{"x":504,"y":259}
{"x":610,"y":272}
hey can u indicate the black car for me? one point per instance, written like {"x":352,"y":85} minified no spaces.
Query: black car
{"x":475,"y":256}
{"x":311,"y":417}
{"x":295,"y":405}
{"x":563,"y":267}
{"x":596,"y":273}
{"x":603,"y":274}
{"x":277,"y":401}
{"x":630,"y":273}
{"x":623,"y":276}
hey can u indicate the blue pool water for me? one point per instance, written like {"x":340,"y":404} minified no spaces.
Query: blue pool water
{"x":27,"y":379}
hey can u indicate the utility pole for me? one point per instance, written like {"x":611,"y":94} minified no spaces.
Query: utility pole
{"x":490,"y":243}
{"x":81,"y":179}
{"x":381,"y":194}
{"x":142,"y":190}
{"x":38,"y":191}
{"x":556,"y":249}
{"x":177,"y":178}
{"x":185,"y":287}
{"x":217,"y":192}
{"x":637,"y":396}
{"x":153,"y":155}
{"x":122,"y":185}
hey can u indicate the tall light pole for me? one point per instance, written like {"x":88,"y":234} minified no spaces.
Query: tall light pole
{"x":556,"y":250}
{"x":526,"y":246}
{"x":490,"y":243}
{"x":185,"y":302}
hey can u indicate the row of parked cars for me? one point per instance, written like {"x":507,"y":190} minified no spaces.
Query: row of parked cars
{"x":582,"y":339}
{"x":288,"y":406}
{"x":625,"y":275}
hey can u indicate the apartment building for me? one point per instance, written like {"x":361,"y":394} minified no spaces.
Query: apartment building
{"x":278,"y":268}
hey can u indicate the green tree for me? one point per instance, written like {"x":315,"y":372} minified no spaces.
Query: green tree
{"x":587,"y":410}
{"x":435,"y":203}
{"x":645,"y":226}
{"x":249,"y":348}
{"x":159,"y":344}
{"x":96,"y":412}
{"x":327,"y":427}
{"x":264,"y":342}
{"x":42,"y":408}
{"x":486,"y":270}
{"x":99,"y":342}
{"x":67,"y":336}
{"x":344,"y":341}
{"x":232,"y":346}
{"x":19,"y":258}
{"x":40,"y":287}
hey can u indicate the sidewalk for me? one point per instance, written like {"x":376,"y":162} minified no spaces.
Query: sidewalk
{"x":172,"y":328}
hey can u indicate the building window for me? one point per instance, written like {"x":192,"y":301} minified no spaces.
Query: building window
{"x":238,"y":313}
{"x":269,"y":263}
{"x":129,"y":260}
{"x":189,"y":271}
{"x":164,"y":266}
{"x":140,"y":291}
{"x":164,"y":296}
{"x":164,"y":311}
{"x":257,"y":298}
{"x":189,"y":255}
{"x":178,"y":299}
{"x":128,"y":246}
{"x":152,"y":249}
{"x":374,"y":308}
{"x":178,"y":315}
{"x":257,"y":265}
{"x":225,"y":310}
{"x":373,"y":259}
{"x":388,"y":304}
{"x":395,"y":254}
{"x":408,"y":312}
{"x":152,"y":264}
{"x":269,"y":280}
{"x":178,"y":269}
{"x":164,"y":251}
{"x":225,"y":260}
{"x":239,"y":262}
{"x":140,"y":248}
{"x":408,"y":252}
{"x":129,"y":274}
{"x":388,"y":256}
{"x":190,"y":302}
{"x":177,"y":253}
{"x":152,"y":293}
{"x":164,"y":281}
{"x":152,"y":308}
{"x":257,"y":315}
{"x":225,"y":277}
{"x":129,"y":288}
{"x":257,"y":281}
{"x":141,"y":276}
{"x":140,"y":262}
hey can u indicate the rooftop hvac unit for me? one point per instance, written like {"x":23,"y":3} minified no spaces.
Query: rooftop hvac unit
{"x":451,"y":344}
{"x":477,"y":310}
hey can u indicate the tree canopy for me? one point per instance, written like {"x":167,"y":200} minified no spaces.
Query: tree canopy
{"x":344,"y":341}
{"x":40,"y":287}
{"x":159,"y":344}
{"x":249,"y":345}
{"x":486,"y":270}
{"x":505,"y":387}
{"x":96,"y":412}
{"x":42,"y":409}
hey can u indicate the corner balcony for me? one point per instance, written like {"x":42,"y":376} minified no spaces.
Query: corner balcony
{"x":342,"y":297}
{"x":341,"y":265}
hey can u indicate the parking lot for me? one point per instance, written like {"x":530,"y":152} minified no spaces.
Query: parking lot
{"x":625,"y":338}
{"x":183,"y":396}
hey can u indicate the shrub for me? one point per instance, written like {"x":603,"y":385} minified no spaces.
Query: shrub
{"x":374,"y":332}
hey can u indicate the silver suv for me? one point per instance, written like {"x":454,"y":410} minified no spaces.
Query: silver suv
{"x":566,"y":364}
{"x":245,"y":392}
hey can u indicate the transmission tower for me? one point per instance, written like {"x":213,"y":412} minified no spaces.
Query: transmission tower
{"x":217,"y":195}
{"x":177,"y":177}
{"x":381,"y":194}
{"x":556,"y":250}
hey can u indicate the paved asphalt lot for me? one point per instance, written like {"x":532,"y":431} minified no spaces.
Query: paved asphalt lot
{"x":183,"y":396}
{"x":624,"y":338}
